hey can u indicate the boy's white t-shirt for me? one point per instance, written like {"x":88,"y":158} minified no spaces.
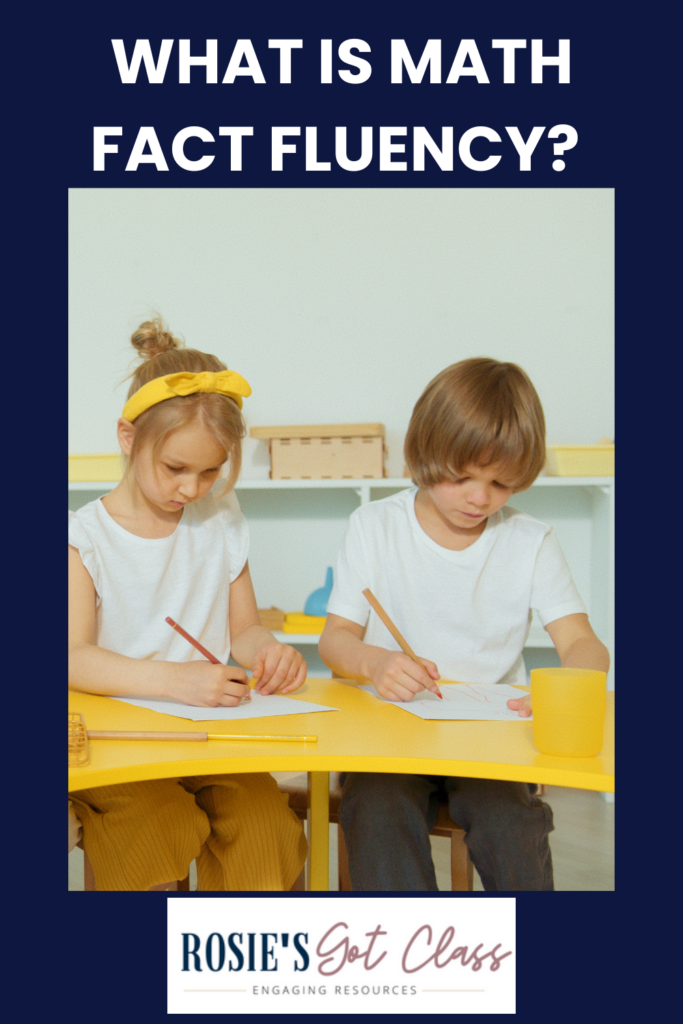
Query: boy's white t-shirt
{"x":140,"y":580}
{"x":468,"y":611}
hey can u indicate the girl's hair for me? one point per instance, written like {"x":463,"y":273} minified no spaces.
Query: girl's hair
{"x":162,"y":354}
{"x":477,"y":412}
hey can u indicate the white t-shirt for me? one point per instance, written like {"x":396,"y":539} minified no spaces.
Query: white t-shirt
{"x":140,"y":580}
{"x":468,"y":611}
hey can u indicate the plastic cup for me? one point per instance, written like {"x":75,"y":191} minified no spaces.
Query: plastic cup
{"x":568,"y":706}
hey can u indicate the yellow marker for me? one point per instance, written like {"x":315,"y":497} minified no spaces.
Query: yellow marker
{"x":225,"y":736}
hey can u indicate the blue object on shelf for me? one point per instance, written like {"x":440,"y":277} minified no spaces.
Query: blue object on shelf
{"x":316,"y":603}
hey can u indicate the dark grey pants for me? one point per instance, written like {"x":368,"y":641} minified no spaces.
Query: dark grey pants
{"x":386,"y":820}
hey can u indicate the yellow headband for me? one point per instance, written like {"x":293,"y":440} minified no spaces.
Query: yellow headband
{"x":225,"y":382}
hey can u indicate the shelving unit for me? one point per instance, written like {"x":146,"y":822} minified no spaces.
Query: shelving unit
{"x":296,"y":533}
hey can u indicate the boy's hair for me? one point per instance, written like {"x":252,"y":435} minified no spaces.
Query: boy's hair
{"x":477,"y":412}
{"x":222,"y":417}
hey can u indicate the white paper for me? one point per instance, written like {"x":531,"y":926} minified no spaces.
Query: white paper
{"x":258,"y":707}
{"x":478,"y":702}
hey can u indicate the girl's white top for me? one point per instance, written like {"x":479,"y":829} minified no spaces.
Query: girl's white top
{"x":468,"y":611}
{"x":139,"y":581}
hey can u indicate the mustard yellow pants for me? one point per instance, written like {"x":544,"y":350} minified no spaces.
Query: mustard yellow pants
{"x":239,"y":829}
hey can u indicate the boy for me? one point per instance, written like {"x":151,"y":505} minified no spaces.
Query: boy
{"x":465,"y":572}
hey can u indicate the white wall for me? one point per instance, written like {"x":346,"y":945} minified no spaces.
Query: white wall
{"x":341,"y":305}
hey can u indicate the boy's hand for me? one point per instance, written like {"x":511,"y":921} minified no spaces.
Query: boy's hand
{"x":522,"y":705}
{"x":278,"y":668}
{"x":397,"y":677}
{"x":205,"y":685}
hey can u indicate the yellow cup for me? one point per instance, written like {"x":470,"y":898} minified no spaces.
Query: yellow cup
{"x":568,"y":706}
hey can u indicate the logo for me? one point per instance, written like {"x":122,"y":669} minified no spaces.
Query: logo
{"x":326,"y":955}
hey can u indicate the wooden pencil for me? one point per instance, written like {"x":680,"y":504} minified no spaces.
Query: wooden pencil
{"x":400,"y":640}
{"x":113,"y":734}
{"x":203,"y":650}
{"x":191,"y":640}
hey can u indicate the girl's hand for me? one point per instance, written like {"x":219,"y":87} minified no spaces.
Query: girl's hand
{"x":278,"y":668}
{"x":397,"y":677}
{"x":522,"y":705}
{"x":205,"y":685}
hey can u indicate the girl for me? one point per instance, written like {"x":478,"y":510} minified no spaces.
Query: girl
{"x":162,"y":543}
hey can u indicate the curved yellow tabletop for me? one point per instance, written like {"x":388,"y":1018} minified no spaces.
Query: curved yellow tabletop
{"x":364,"y":735}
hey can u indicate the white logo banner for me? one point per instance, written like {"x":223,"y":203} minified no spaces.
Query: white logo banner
{"x":328,"y":955}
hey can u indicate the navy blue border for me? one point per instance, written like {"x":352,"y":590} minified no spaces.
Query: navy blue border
{"x":110,"y":953}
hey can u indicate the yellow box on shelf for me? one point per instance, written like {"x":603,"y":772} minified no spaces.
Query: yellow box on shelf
{"x":83,"y":468}
{"x":297,"y":622}
{"x":580,"y":459}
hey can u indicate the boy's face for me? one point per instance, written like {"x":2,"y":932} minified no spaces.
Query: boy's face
{"x":467,"y":501}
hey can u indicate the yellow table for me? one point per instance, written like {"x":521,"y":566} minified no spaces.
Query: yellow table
{"x":364,"y":735}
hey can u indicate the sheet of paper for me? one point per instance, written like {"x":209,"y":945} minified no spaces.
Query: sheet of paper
{"x":478,"y":702}
{"x":258,"y":707}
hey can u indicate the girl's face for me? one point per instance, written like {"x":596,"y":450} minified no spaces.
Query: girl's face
{"x":468,"y":501}
{"x":186,"y":465}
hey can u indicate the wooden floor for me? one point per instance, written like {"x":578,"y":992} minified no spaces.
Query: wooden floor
{"x":582,"y":846}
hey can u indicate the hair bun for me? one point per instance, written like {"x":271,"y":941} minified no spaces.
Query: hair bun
{"x":153,"y":337}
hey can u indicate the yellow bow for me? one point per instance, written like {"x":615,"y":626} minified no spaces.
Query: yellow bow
{"x":224,"y":382}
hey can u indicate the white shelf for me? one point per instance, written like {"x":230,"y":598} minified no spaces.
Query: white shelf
{"x":536,"y":638}
{"x":296,"y":638}
{"x":402,"y":481}
{"x":369,"y":483}
{"x":266,"y":484}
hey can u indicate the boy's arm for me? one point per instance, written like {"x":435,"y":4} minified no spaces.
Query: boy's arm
{"x":394,"y":674}
{"x":577,"y":646}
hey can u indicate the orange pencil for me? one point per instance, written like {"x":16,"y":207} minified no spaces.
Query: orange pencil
{"x":202,"y":650}
{"x":191,"y":640}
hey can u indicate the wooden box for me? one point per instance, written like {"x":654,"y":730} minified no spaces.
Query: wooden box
{"x":336,"y":451}
{"x":272,"y":618}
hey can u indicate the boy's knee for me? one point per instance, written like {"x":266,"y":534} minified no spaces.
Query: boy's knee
{"x":489,"y":791}
{"x":379,"y":793}
{"x":503,"y":809}
{"x":473,"y":800}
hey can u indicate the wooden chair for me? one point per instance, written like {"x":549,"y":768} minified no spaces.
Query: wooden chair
{"x":461,"y":865}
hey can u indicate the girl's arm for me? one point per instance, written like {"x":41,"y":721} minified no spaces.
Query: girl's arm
{"x":93,"y":669}
{"x":394,"y":674}
{"x":577,"y":646}
{"x":274,"y":666}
